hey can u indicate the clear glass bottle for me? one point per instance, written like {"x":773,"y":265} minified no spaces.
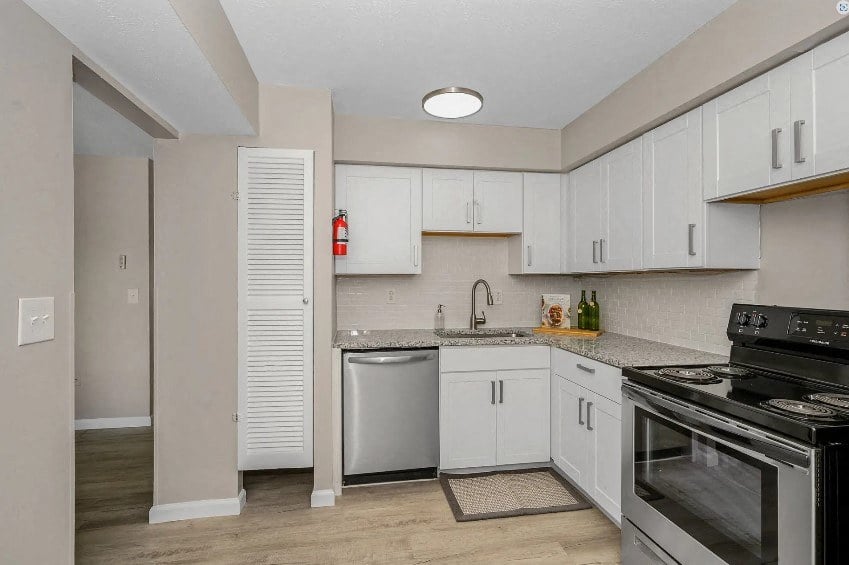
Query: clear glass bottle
{"x":583,"y":310}
{"x":439,"y":318}
{"x":594,"y":313}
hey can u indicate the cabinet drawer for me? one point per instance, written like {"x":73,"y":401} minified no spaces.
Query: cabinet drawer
{"x":604,"y":380}
{"x":494,"y":358}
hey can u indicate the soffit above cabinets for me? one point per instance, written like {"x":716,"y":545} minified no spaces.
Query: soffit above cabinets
{"x":537,"y":64}
{"x":145,"y":47}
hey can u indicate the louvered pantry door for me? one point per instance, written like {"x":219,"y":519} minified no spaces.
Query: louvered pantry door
{"x":275,"y":308}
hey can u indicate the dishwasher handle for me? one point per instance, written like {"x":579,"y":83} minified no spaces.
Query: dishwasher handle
{"x":390,"y":360}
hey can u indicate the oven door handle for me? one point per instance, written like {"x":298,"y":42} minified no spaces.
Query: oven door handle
{"x":705,"y":423}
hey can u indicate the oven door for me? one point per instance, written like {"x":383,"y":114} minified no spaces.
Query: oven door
{"x":709,"y":490}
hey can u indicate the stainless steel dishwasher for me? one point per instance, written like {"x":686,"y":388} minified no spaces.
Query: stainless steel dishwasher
{"x":390,"y":406}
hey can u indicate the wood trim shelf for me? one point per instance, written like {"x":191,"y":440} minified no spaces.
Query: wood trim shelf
{"x":794,"y":189}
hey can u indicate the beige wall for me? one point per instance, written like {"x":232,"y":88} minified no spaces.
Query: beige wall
{"x":805,"y":248}
{"x":112,"y":336}
{"x":36,"y":259}
{"x":195,"y":385}
{"x":747,"y":39}
{"x":383,"y":141}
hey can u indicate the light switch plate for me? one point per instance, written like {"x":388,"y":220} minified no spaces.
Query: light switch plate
{"x":132,"y":296}
{"x":35,"y":320}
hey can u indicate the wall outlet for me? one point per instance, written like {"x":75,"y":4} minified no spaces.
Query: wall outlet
{"x":498,"y":297}
{"x":390,"y":296}
{"x":132,"y":296}
{"x":77,"y":381}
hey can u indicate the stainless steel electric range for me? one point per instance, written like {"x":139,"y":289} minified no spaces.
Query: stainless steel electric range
{"x":746,"y":462}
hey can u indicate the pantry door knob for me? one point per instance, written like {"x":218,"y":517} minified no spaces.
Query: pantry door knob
{"x":306,"y":300}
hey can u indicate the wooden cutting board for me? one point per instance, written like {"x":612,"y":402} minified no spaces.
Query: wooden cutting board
{"x":574,"y":332}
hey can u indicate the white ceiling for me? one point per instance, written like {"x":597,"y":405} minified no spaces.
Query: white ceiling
{"x":144,"y":45}
{"x":537,"y":63}
{"x":100,"y":130}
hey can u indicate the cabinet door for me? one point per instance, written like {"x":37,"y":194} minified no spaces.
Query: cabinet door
{"x":498,"y":202}
{"x":467,"y":419}
{"x":672,"y":194}
{"x":538,"y":249}
{"x":523,"y":416}
{"x":569,"y":441}
{"x":738,"y":140}
{"x":831,"y":93}
{"x":604,"y":476}
{"x":585,"y":217}
{"x":384,"y":207}
{"x":447,"y":196}
{"x":620,"y":245}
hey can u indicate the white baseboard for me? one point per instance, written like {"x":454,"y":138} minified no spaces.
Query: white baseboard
{"x":104,"y":423}
{"x":321,"y":498}
{"x":197,"y":509}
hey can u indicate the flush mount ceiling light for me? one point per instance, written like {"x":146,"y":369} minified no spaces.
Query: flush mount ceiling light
{"x":452,"y":102}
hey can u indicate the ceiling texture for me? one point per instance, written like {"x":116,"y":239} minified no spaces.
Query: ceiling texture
{"x":100,"y":130}
{"x":144,"y":46}
{"x":537,"y":63}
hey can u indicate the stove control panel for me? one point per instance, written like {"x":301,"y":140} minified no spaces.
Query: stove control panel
{"x":829,"y":328}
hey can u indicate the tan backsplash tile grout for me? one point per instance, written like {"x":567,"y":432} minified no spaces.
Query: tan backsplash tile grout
{"x":686,"y":309}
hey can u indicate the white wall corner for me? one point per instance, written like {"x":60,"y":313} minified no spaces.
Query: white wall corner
{"x":322,"y":498}
{"x":197,"y":509}
{"x":105,"y":423}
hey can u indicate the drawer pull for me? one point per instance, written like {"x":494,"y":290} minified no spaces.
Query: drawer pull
{"x":585,"y":368}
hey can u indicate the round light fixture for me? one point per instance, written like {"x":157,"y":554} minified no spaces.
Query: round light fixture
{"x":452,"y":102}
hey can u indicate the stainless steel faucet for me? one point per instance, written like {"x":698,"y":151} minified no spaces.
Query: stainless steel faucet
{"x":473,"y":319}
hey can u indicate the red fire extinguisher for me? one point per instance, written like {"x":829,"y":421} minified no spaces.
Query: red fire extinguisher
{"x":340,"y":233}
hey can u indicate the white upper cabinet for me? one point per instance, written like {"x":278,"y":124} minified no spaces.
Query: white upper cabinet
{"x":584,"y":217}
{"x":384,"y":207}
{"x":537,"y":250}
{"x":497,"y":205}
{"x":620,"y":244}
{"x":830,"y":83}
{"x":605,"y":212}
{"x":447,"y":198}
{"x":672,"y":194}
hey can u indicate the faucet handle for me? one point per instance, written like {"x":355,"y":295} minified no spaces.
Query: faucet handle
{"x":482,"y":319}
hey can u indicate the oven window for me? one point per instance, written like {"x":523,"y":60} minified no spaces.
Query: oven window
{"x":723,"y":498}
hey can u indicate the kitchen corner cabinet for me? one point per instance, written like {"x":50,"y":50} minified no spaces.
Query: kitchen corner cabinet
{"x":680,"y":230}
{"x":586,"y":437}
{"x":537,"y":249}
{"x":494,"y":406}
{"x":605,"y":212}
{"x":384,"y":207}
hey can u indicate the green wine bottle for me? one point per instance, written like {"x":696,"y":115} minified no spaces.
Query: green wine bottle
{"x":594,"y":313}
{"x":583,"y":311}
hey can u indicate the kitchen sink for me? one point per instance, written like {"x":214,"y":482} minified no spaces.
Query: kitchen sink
{"x":483,"y":334}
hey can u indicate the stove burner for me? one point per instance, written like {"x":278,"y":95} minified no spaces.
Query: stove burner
{"x":693,"y":376}
{"x":728,"y":371}
{"x":801,"y":408}
{"x":839,"y":401}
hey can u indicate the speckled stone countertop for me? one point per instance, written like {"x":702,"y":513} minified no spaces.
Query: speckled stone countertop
{"x":610,"y":348}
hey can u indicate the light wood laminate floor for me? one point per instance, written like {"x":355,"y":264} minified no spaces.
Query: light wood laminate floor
{"x":397,"y":524}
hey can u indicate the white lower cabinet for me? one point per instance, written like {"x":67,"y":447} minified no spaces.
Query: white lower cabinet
{"x":498,"y":415}
{"x":586,"y":437}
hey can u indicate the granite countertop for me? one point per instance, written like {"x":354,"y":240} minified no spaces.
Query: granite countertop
{"x":610,"y":348}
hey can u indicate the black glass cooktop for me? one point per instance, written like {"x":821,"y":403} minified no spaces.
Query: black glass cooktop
{"x":813,"y":412}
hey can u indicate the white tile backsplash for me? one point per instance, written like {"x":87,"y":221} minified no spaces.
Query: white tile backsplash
{"x":687,"y":309}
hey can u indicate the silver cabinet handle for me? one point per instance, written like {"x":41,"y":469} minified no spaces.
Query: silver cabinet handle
{"x":601,"y":250}
{"x":580,"y":411}
{"x":530,"y":260}
{"x":478,"y":212}
{"x":500,"y":391}
{"x":691,"y":239}
{"x":468,"y":212}
{"x":493,"y":392}
{"x":797,"y":141}
{"x":306,"y":300}
{"x":415,"y":255}
{"x":595,"y":243}
{"x":585,"y":368}
{"x":775,"y":163}
{"x":389,"y":360}
{"x":589,"y":427}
